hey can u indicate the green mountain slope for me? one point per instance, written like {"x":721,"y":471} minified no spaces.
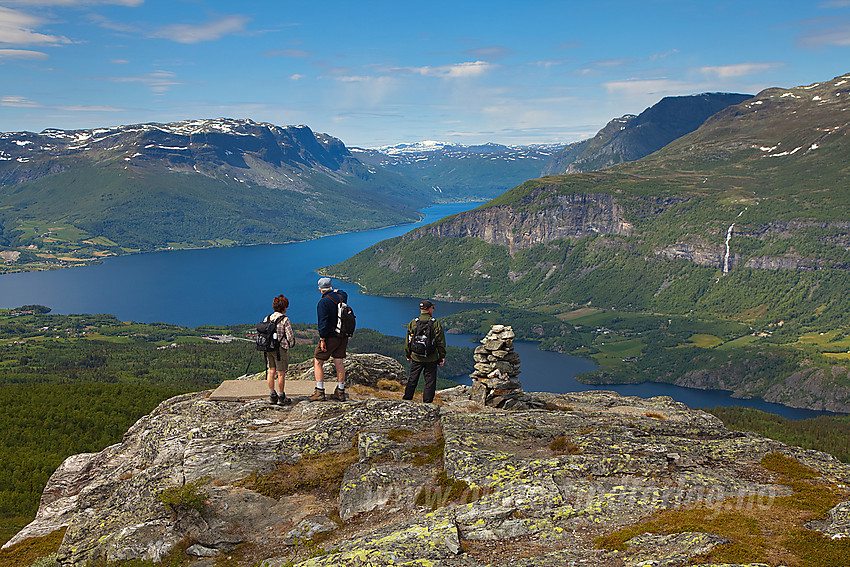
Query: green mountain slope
{"x":768,"y":178}
{"x":652,"y":234}
{"x":66,"y":196}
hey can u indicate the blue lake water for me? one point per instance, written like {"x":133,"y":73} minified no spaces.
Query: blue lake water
{"x":236,"y":285}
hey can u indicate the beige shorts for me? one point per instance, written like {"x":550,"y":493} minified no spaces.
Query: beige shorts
{"x":281,"y":365}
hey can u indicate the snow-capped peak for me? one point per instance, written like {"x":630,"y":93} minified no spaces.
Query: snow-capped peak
{"x":413,"y":147}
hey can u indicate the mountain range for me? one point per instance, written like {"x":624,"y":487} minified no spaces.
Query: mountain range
{"x":456,"y":172}
{"x":192,"y":183}
{"x":631,"y":137}
{"x":68,"y":197}
{"x":72,"y":197}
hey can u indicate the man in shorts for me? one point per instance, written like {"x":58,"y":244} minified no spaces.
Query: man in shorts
{"x":330,"y":344}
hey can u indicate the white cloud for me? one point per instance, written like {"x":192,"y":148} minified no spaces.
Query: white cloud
{"x":364,"y":93}
{"x":296,"y":77}
{"x":666,"y":54}
{"x":18,"y":28}
{"x":643,"y":87}
{"x":611,"y":63}
{"x":21,"y":102}
{"x":835,"y":35}
{"x":546,"y":63}
{"x":459,"y":70}
{"x":158,"y":81}
{"x":738,"y":69}
{"x":21,"y":54}
{"x":79,"y":108}
{"x":108,"y":24}
{"x":209,"y":31}
{"x":18,"y":102}
{"x":354,"y":78}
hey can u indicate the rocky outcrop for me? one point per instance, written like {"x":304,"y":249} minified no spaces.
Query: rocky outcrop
{"x":787,"y":262}
{"x":367,"y":369}
{"x":449,"y":484}
{"x":699,"y":253}
{"x":560,"y":217}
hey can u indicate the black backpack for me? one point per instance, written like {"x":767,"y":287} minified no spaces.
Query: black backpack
{"x":346,"y":321}
{"x":421,"y":341}
{"x":267,"y":339}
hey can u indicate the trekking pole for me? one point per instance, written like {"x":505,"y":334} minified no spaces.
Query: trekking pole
{"x":250,"y":360}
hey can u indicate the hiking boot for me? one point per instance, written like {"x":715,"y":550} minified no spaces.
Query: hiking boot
{"x":338,"y":395}
{"x":273,"y":398}
{"x":318,"y":396}
{"x":282,"y":400}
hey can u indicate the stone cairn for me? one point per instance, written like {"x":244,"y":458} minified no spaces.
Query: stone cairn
{"x":494,"y":380}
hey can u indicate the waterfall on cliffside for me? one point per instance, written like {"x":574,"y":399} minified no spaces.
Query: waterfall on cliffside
{"x":726,"y":256}
{"x":729,"y":237}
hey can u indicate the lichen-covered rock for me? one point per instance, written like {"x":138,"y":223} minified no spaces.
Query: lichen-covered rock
{"x":366,"y":369}
{"x":430,"y":482}
{"x":386,"y":485}
{"x":837,"y":525}
{"x":650,"y":550}
{"x":307,"y":528}
{"x":428,"y":540}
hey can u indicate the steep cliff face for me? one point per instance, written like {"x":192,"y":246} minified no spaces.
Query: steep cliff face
{"x":447,"y":484}
{"x":558,"y":217}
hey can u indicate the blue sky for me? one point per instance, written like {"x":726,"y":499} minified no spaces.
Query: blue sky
{"x":383,"y":72}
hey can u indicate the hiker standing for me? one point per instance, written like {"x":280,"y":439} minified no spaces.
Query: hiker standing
{"x":332,"y":344}
{"x":425,"y":349}
{"x":277,"y":360}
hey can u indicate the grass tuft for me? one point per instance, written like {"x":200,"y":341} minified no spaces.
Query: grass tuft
{"x":186,"y":496}
{"x":768,"y":532}
{"x":447,"y":490}
{"x":33,"y":550}
{"x":788,"y":467}
{"x":561,"y":445}
{"x":322,"y":472}
{"x":391,"y":385}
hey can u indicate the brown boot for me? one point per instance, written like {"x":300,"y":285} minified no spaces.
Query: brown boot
{"x":318,"y":396}
{"x":339,"y":395}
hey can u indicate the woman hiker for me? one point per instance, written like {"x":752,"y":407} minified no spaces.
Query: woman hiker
{"x":278,"y":361}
